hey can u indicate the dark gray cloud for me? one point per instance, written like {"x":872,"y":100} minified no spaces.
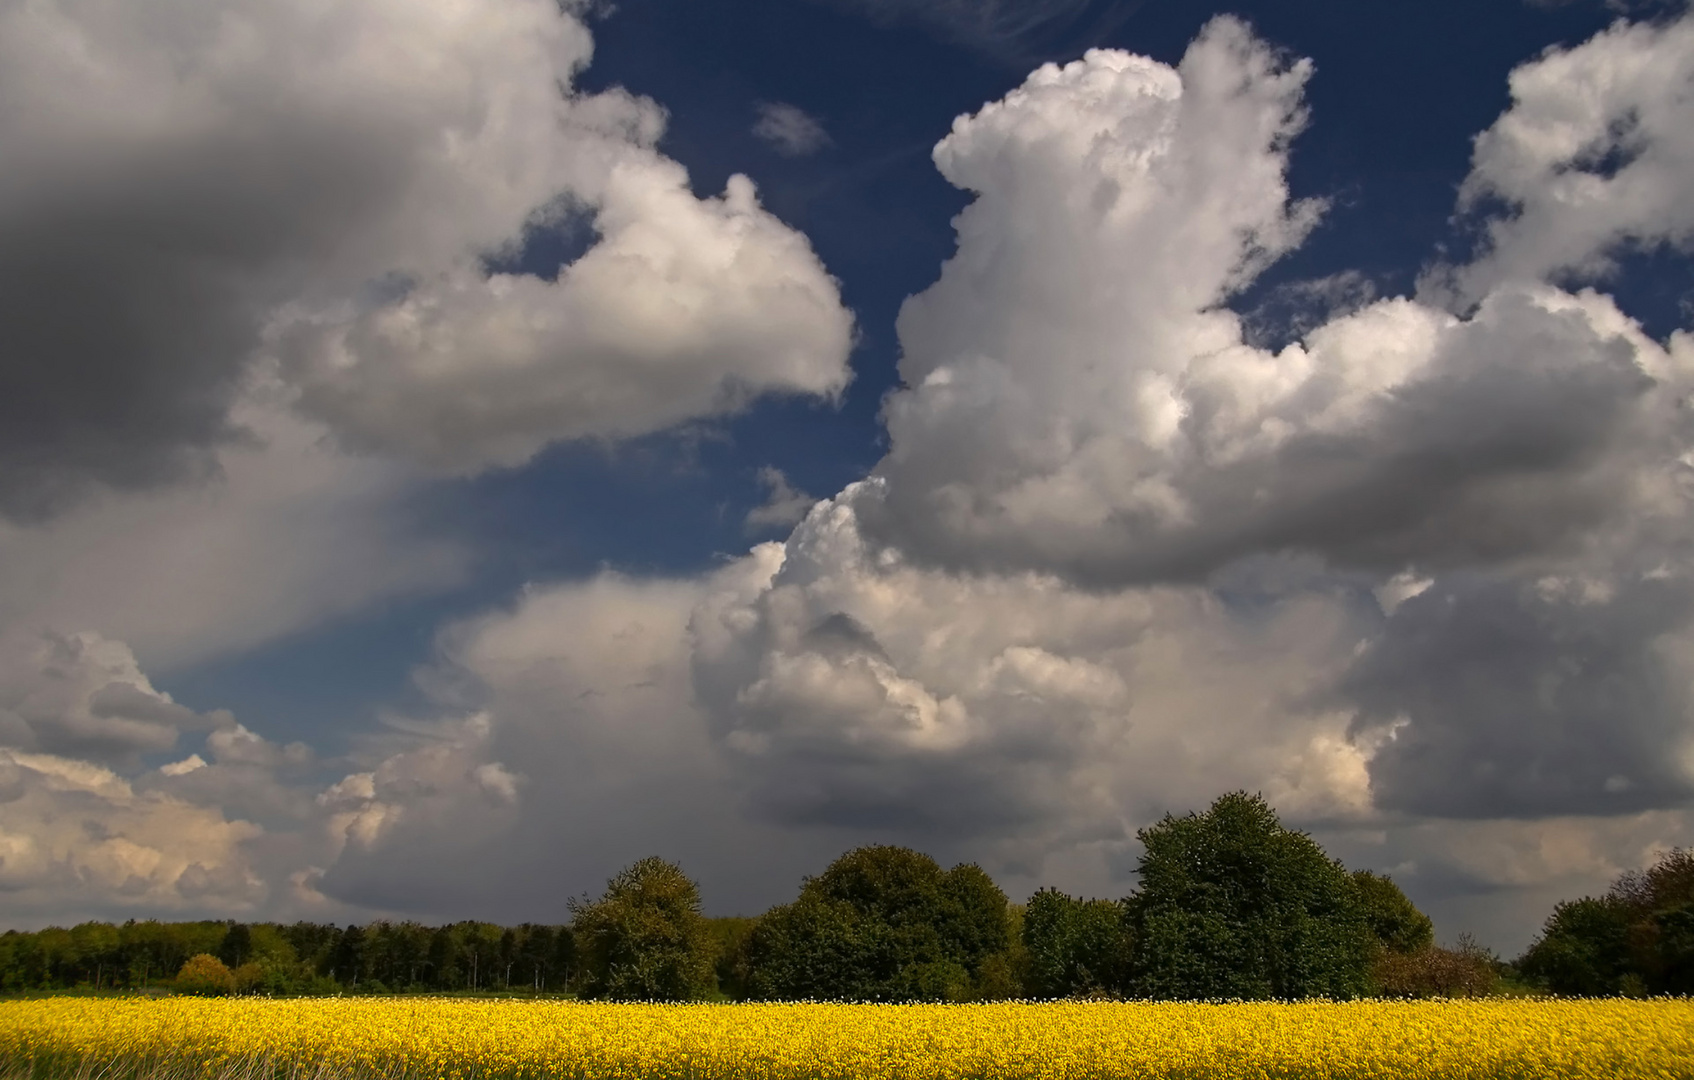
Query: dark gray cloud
{"x":1523,"y":699}
{"x":119,"y":360}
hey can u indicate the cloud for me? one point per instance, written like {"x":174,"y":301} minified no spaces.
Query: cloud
{"x":581,"y":694}
{"x":1414,"y":573}
{"x":1590,"y":162}
{"x":1294,"y":309}
{"x":1013,"y":713}
{"x":1006,"y":29}
{"x":683,"y":309}
{"x":291,"y":534}
{"x":77,"y":838}
{"x":785,"y":507}
{"x":1078,"y":401}
{"x":84,"y":696}
{"x":1417,"y":576}
{"x":1509,"y":698}
{"x":321,"y":184}
{"x":790,"y":129}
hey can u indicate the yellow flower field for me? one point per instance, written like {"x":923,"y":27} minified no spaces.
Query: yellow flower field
{"x":429,"y":1037}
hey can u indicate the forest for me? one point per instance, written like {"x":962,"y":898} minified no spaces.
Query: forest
{"x":1230,"y":905}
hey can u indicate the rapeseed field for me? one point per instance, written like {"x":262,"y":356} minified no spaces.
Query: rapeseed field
{"x":182,"y":1038}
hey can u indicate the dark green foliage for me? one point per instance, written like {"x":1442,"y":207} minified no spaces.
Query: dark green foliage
{"x":1395,"y":922}
{"x":237,"y":946}
{"x":1075,"y":947}
{"x":1583,"y":949}
{"x":883,"y":923}
{"x":730,"y":938}
{"x":645,"y":939}
{"x":1233,"y":905}
{"x":1671,"y":945}
{"x":1638,"y":938}
{"x":291,"y":959}
{"x":346,"y":960}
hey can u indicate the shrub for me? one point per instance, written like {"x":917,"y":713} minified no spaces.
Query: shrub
{"x":1467,"y":970}
{"x":205,"y":975}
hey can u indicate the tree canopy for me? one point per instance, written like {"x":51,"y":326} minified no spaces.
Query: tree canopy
{"x":645,"y":939}
{"x":1234,"y":905}
{"x":1638,"y":938}
{"x":882,"y":923}
{"x":1395,"y":922}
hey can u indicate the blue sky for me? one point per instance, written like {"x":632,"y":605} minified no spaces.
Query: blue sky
{"x":404,"y":458}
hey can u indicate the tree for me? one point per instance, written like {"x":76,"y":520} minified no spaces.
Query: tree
{"x":346,"y":961}
{"x":1638,"y":938}
{"x":1234,"y":905}
{"x":730,"y":938}
{"x":645,"y":939}
{"x":1396,"y":925}
{"x":1467,"y":970}
{"x":1583,"y":949}
{"x":883,"y":923}
{"x":205,"y":975}
{"x":1076,"y":947}
{"x":1659,"y":905}
{"x":237,"y":946}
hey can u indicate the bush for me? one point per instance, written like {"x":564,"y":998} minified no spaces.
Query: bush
{"x":205,"y":975}
{"x":645,"y":939}
{"x":249,"y":978}
{"x":1468,"y":970}
{"x":1233,"y":905}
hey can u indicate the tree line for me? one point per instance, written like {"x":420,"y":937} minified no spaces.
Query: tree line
{"x":1230,"y":905}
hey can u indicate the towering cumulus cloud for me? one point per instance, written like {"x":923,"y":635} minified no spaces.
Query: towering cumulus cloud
{"x":320,"y":186}
{"x":1079,"y":401}
{"x":1423,"y":564}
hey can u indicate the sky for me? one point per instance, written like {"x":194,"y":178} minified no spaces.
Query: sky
{"x":451,"y":451}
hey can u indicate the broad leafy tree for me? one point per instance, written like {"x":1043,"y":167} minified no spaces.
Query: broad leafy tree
{"x":1395,"y":922}
{"x":645,"y":939}
{"x":1234,"y":905}
{"x":1075,"y":947}
{"x":883,"y":923}
{"x":1638,"y":938}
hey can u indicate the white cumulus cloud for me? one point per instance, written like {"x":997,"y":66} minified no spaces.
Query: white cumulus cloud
{"x":322,"y":184}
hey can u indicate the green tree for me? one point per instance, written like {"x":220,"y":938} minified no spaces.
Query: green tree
{"x":1395,"y":923}
{"x":237,"y":946}
{"x":884,"y":923}
{"x":205,"y":975}
{"x":730,"y":938}
{"x":1637,"y":938}
{"x":1234,"y":905}
{"x":1583,"y":949}
{"x":645,"y":939}
{"x":1076,"y":947}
